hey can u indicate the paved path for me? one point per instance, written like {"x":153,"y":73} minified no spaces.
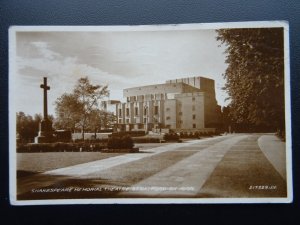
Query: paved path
{"x":186,"y":177}
{"x":244,"y":172}
{"x":99,"y":165}
{"x":274,"y":150}
{"x":59,"y":175}
{"x":226,"y":166}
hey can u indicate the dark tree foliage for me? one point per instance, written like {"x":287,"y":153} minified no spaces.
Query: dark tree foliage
{"x":68,"y":111}
{"x":79,"y":109}
{"x":99,"y":119}
{"x":255,"y":76}
{"x":28,"y":126}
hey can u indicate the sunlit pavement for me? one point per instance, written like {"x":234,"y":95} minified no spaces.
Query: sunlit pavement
{"x":224,"y":166}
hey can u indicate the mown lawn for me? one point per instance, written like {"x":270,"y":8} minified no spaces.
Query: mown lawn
{"x":41,"y":162}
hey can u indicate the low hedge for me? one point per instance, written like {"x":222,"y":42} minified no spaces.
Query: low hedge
{"x":121,"y":150}
{"x":146,"y":140}
{"x":92,"y":141}
{"x":137,"y":133}
{"x":197,"y":134}
{"x":60,"y":147}
{"x":171,"y":137}
{"x":191,"y":134}
{"x":125,"y":142}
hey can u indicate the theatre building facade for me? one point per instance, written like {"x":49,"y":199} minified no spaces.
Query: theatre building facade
{"x":187,"y":104}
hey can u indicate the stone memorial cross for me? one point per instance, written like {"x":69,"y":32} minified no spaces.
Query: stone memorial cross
{"x":45,"y":134}
{"x":46,"y":88}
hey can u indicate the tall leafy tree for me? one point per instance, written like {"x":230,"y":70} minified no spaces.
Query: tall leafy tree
{"x":68,"y":111}
{"x":75,"y":110}
{"x":255,"y":75}
{"x":99,"y":119}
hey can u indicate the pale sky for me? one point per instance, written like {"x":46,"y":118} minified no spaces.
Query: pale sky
{"x":121,"y":59}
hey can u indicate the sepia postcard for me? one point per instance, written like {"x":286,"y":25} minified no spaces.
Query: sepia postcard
{"x":180,"y":113}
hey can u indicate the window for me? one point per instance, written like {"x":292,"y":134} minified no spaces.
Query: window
{"x":136,"y":111}
{"x":194,"y":116}
{"x":193,"y":108}
{"x":145,"y":120}
{"x":120,"y":120}
{"x":180,"y":113}
{"x":127,"y":120}
{"x":145,"y":110}
{"x":194,"y":125}
{"x":127,"y":111}
{"x":167,"y":109}
{"x":120,"y":112}
{"x":193,"y":98}
{"x":156,"y":110}
{"x":167,"y":118}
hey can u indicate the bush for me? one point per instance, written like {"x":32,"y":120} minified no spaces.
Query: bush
{"x":60,"y":147}
{"x":130,"y":133}
{"x":171,"y":137}
{"x":145,"y":140}
{"x":91,"y":140}
{"x":196,"y":134}
{"x":124,"y":142}
{"x":114,"y":142}
{"x":127,"y":142}
{"x":184,"y":135}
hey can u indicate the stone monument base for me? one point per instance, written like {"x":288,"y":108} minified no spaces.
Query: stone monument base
{"x":43,"y":139}
{"x":45,"y":134}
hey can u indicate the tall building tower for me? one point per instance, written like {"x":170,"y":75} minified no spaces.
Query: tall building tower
{"x":186,"y":104}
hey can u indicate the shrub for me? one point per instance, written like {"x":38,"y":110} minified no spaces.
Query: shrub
{"x":130,"y":133}
{"x":127,"y":142}
{"x":124,"y":142}
{"x":145,"y":140}
{"x":113,"y":142}
{"x":61,"y":147}
{"x":196,"y":134}
{"x":171,"y":137}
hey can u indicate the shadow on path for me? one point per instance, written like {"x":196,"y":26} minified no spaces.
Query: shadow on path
{"x":244,"y":172}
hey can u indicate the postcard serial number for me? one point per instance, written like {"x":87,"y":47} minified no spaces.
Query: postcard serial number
{"x":262,"y":187}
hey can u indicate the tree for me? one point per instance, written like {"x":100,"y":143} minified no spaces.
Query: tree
{"x":76,"y":110}
{"x":28,"y":126}
{"x":68,"y":110}
{"x":255,"y":75}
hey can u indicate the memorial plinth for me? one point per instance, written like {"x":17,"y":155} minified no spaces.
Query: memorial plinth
{"x":45,"y":134}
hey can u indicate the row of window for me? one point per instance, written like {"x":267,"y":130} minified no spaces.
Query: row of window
{"x":143,"y":97}
{"x":136,"y":111}
{"x":127,"y":121}
{"x":145,"y":122}
{"x":193,"y":116}
{"x":156,"y":110}
{"x":181,"y":122}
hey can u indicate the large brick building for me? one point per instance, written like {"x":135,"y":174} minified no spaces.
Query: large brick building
{"x":187,"y":104}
